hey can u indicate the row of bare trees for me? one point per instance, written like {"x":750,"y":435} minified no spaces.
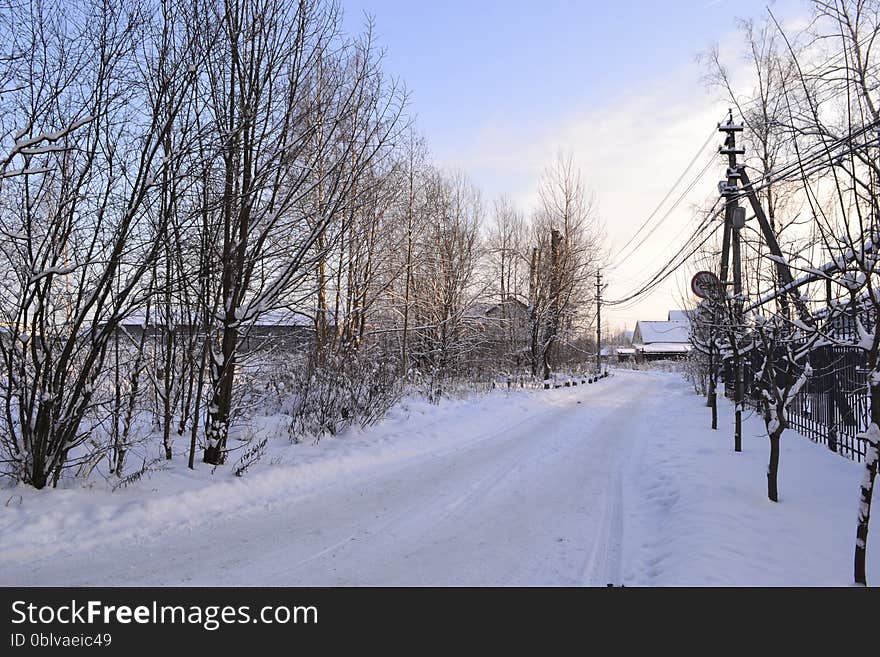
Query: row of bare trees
{"x":809,"y":105}
{"x":177,"y":176}
{"x":547,"y":266}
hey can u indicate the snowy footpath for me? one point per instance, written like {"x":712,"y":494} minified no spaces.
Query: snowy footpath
{"x":617,"y":482}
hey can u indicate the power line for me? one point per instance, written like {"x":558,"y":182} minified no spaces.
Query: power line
{"x":818,"y":159}
{"x":669,"y":193}
{"x":808,"y":165}
{"x":636,"y":277}
{"x":668,"y":213}
{"x":671,"y":265}
{"x":780,"y":175}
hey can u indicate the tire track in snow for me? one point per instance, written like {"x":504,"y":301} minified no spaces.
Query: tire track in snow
{"x":451,"y":507}
{"x":605,"y":563}
{"x":520,"y":504}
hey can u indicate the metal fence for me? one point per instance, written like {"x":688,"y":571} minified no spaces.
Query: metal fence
{"x":833,"y":406}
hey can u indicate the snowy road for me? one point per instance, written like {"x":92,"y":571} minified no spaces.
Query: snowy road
{"x":534,"y":502}
{"x":616,"y":482}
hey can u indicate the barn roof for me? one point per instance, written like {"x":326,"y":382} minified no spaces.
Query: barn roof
{"x":669,"y":332}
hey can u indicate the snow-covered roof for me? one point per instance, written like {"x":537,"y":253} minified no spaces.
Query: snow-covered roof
{"x":284,"y":317}
{"x":277,"y":317}
{"x":678,"y":315}
{"x":669,"y":332}
{"x":664,"y":348}
{"x":480,"y":309}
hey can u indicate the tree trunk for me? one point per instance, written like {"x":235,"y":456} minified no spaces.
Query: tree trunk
{"x":773,"y":467}
{"x":533,"y":313}
{"x":866,"y":492}
{"x":712,"y":395}
{"x":404,"y":353}
{"x":713,"y":402}
{"x":197,"y":408}
{"x":220,"y":408}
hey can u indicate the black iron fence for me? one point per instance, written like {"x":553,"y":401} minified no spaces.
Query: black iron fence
{"x":832,"y":408}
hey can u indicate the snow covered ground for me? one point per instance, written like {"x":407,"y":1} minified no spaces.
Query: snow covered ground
{"x":698,"y":513}
{"x":619,"y":481}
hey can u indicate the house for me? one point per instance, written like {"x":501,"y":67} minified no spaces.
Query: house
{"x":500,"y":319}
{"x":663,"y":340}
{"x":274,"y":329}
{"x":625,"y":354}
{"x":500,"y":329}
{"x":510,"y":314}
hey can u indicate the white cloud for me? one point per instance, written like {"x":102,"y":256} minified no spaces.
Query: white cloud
{"x":630,"y":150}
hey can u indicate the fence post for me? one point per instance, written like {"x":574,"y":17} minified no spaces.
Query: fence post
{"x":831,"y":377}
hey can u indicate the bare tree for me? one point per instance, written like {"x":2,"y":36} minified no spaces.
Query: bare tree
{"x":508,"y":269}
{"x":784,"y":371}
{"x":414,"y":172}
{"x":287,"y":103}
{"x":93,"y":111}
{"x":444,"y":282}
{"x":567,"y":250}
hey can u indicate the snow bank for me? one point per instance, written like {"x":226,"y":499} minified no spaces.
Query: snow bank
{"x":38,"y":523}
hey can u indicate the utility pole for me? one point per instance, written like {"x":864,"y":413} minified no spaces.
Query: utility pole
{"x":599,"y":321}
{"x":734,"y":222}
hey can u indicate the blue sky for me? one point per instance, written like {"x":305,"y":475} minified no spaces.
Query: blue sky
{"x":499,"y":88}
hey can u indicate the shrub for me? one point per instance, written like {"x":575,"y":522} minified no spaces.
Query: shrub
{"x":336,"y":392}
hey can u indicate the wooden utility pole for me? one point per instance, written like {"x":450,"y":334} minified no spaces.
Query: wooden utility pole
{"x":734,"y":221}
{"x":599,"y":321}
{"x":533,"y":310}
{"x":738,"y":185}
